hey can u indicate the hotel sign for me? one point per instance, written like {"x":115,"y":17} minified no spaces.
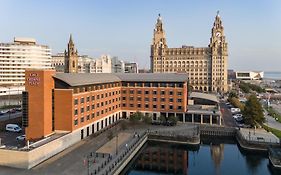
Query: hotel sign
{"x":33,"y":79}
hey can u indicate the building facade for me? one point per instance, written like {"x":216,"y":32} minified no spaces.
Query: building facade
{"x":131,"y":68}
{"x":249,"y":75}
{"x":206,"y":66}
{"x":90,"y":102}
{"x":71,"y":58}
{"x":15,"y":57}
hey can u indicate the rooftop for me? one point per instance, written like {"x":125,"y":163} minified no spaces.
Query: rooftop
{"x":206,"y":96}
{"x":78,"y":79}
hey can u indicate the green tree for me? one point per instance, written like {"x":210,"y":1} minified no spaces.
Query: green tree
{"x":136,"y":116}
{"x":232,"y":94}
{"x":236,"y":103}
{"x":253,"y":111}
{"x":147,"y":119}
{"x":173,"y":119}
{"x":163,"y":119}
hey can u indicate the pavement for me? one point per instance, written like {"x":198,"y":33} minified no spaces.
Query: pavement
{"x":259,"y":135}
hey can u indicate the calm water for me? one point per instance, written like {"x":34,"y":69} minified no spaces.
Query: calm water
{"x":209,"y":159}
{"x":272,"y":75}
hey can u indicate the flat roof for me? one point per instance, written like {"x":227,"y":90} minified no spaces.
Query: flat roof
{"x":78,"y":79}
{"x":206,"y":96}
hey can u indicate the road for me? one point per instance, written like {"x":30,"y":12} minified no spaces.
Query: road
{"x":271,"y":122}
{"x":227,"y":119}
{"x":12,"y":116}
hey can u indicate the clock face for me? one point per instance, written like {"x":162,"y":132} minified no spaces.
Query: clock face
{"x":218,"y":34}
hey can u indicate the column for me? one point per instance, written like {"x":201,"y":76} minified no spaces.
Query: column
{"x":183,"y":117}
{"x":201,"y":119}
{"x":211,"y":118}
{"x":192,"y":118}
{"x":219,"y":120}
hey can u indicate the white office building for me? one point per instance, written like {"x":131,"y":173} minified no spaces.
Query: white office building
{"x":15,"y":57}
{"x":249,"y":75}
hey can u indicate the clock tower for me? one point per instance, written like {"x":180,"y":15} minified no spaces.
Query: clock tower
{"x":71,"y":58}
{"x":219,"y":55}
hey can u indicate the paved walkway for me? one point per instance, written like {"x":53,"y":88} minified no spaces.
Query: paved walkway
{"x":258,"y":135}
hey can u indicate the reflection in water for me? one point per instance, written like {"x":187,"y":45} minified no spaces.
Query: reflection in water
{"x":211,"y":159}
{"x":167,"y":160}
{"x":217,"y":155}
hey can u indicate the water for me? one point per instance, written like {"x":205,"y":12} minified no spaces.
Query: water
{"x":209,"y":159}
{"x":272,"y":75}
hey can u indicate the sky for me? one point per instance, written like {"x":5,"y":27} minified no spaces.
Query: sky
{"x":124,"y":28}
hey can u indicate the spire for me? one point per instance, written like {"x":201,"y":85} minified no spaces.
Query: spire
{"x":218,"y":22}
{"x":70,"y":39}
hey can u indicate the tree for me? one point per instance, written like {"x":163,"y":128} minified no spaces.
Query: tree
{"x":163,"y":119}
{"x":147,"y":119}
{"x":253,"y":111}
{"x":136,"y":116}
{"x":236,"y":103}
{"x":232,"y":94}
{"x":173,"y":119}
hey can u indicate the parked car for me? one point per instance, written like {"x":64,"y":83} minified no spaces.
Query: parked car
{"x":237,"y":116}
{"x":235,"y":110}
{"x":21,"y":137}
{"x":13,"y":128}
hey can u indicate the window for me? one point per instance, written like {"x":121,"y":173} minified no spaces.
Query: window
{"x":146,"y":84}
{"x":93,"y":98}
{"x":98,"y":105}
{"x":76,"y":101}
{"x":180,"y":85}
{"x":179,"y":93}
{"x":163,"y":85}
{"x":146,"y":92}
{"x":171,"y":93}
{"x":162,"y":92}
{"x":139,"y":91}
{"x":131,"y":91}
{"x":98,"y":113}
{"x":132,"y":84}
{"x":154,"y":92}
{"x":131,"y":105}
{"x":171,"y":107}
{"x":82,"y":100}
{"x":162,"y":106}
{"x":131,"y":98}
{"x":154,"y":99}
{"x":93,"y":115}
{"x":101,"y":103}
{"x":82,"y":110}
{"x":146,"y":105}
{"x":124,"y":91}
{"x":88,"y":108}
{"x":154,"y":106}
{"x":154,"y":84}
{"x":139,"y":105}
{"x":146,"y":99}
{"x":124,"y":104}
{"x":101,"y":111}
{"x":88,"y":117}
{"x":179,"y":100}
{"x":82,"y":119}
{"x":123,"y":98}
{"x":88,"y":99}
{"x":98,"y":96}
{"x":76,"y":112}
{"x":162,"y":99}
{"x":76,"y":122}
{"x":139,"y":99}
{"x":179,"y":107}
{"x":171,"y":100}
{"x":102,"y":95}
{"x":139,"y":84}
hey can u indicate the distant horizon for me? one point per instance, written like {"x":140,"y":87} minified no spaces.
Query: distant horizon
{"x":125,"y":28}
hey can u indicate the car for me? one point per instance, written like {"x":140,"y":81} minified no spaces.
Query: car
{"x":21,"y":137}
{"x":13,"y":128}
{"x":237,"y":116}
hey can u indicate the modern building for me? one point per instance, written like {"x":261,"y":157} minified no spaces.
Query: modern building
{"x":249,"y":75}
{"x":15,"y":57}
{"x":86,"y":103}
{"x":131,"y":68}
{"x":206,"y":66}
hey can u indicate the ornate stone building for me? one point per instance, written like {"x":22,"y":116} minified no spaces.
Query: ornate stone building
{"x":205,"y":66}
{"x":71,"y":58}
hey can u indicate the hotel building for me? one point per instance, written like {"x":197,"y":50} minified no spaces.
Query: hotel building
{"x":15,"y":57}
{"x":85,"y":103}
{"x":206,"y":66}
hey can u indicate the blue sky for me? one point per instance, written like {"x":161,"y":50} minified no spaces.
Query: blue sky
{"x":124,"y":28}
